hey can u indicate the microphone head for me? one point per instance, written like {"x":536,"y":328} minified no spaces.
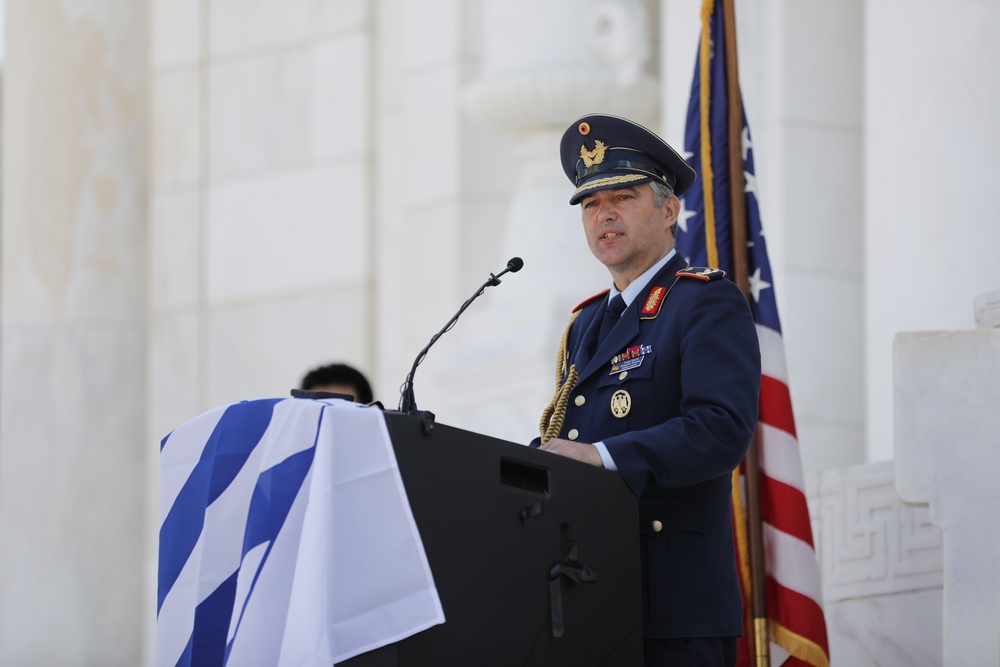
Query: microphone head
{"x":515,"y":264}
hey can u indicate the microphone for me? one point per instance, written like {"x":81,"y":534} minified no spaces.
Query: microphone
{"x":407,"y":402}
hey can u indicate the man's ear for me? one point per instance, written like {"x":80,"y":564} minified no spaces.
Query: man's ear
{"x":672,"y":205}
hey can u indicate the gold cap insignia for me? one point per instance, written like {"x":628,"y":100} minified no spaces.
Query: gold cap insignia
{"x":584,"y":128}
{"x":596,"y":156}
{"x":621,"y":404}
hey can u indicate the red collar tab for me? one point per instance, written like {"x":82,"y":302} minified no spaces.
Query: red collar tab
{"x":653,"y":302}
{"x":586,"y":302}
{"x":701,"y":273}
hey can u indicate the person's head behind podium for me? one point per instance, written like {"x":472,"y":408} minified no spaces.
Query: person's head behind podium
{"x":339,"y":379}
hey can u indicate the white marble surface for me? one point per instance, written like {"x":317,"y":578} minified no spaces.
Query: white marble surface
{"x":175,"y":33}
{"x":947,"y":425}
{"x":174,"y":380}
{"x":901,"y":630}
{"x":987,"y":310}
{"x":926,"y":280}
{"x":828,"y":407}
{"x":72,"y":336}
{"x":881,"y":563}
{"x":869,"y":542}
{"x":813,"y":222}
{"x":72,"y":414}
{"x":262,"y":348}
{"x":432,"y":34}
{"x":821,"y":80}
{"x":284,"y":232}
{"x":820,"y":217}
{"x":430,"y":143}
{"x":175,"y":267}
{"x":176,"y":148}
{"x":242,"y":26}
{"x":289,"y":108}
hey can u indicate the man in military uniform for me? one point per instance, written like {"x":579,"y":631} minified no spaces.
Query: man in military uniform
{"x":658,"y":379}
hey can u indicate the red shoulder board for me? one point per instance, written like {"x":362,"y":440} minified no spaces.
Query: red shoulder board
{"x":586,"y":302}
{"x":701,"y":273}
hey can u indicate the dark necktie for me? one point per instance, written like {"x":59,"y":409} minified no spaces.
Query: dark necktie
{"x":611,"y":316}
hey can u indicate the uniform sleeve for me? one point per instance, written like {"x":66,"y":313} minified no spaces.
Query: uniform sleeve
{"x":719,"y":377}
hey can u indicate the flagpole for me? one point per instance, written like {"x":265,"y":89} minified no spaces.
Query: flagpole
{"x":737,"y":204}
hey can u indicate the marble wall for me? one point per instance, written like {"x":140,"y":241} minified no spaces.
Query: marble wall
{"x":260,"y":195}
{"x":930,"y":234}
{"x":947,"y":427}
{"x":881,"y":563}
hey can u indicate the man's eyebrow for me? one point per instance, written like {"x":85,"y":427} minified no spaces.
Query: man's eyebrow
{"x":629,"y":188}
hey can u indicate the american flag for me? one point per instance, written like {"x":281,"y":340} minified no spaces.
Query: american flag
{"x":795,"y":622}
{"x":286,"y":538}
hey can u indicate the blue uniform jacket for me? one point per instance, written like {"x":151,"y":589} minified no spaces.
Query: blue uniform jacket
{"x":692,"y":412}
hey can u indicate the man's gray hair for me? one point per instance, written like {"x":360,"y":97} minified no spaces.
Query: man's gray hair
{"x":660,"y":193}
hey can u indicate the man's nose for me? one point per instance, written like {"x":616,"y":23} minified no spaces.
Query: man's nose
{"x":606,"y":210}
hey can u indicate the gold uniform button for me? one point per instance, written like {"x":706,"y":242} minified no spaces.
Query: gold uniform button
{"x":580,"y":400}
{"x":656,"y":526}
{"x":623,"y":375}
{"x":573,"y":434}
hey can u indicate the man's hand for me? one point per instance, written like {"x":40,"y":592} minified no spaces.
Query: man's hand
{"x":580,"y":451}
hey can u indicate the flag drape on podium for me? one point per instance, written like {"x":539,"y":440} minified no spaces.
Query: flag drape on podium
{"x":795,"y":620}
{"x":268,"y":553}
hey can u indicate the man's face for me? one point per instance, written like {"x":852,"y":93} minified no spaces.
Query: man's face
{"x":626,"y":231}
{"x":338,"y":388}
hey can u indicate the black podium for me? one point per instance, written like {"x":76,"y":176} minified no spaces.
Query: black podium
{"x":535,"y":557}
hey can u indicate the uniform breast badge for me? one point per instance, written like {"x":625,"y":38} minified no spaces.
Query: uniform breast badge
{"x":630,"y":358}
{"x":621,"y":404}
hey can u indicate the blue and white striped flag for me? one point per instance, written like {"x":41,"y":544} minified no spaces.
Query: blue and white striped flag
{"x":286,"y":538}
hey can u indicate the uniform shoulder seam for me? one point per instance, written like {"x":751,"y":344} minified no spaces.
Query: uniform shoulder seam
{"x":589,"y":300}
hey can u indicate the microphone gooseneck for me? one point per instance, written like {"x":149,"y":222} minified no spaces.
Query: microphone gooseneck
{"x":407,"y":401}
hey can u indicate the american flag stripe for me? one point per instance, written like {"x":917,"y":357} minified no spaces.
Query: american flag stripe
{"x":781,"y":505}
{"x":779,"y":456}
{"x":772,"y":354}
{"x":797,"y":617}
{"x":776,"y":405}
{"x":794,"y":596}
{"x":788,"y":565}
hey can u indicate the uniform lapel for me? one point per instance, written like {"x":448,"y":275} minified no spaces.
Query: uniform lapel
{"x":617,"y":340}
{"x":628,"y":328}
{"x":581,"y":355}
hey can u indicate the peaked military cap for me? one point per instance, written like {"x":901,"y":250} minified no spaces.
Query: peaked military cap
{"x":600,"y":152}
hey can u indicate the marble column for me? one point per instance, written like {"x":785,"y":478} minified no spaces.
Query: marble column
{"x":72,"y":445}
{"x":947,"y":426}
